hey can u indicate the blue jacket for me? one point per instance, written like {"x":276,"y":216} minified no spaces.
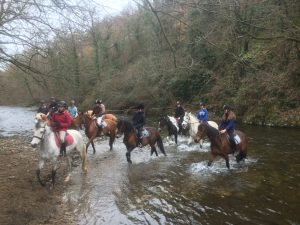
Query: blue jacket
{"x":202,"y":115}
{"x":228,"y":122}
{"x":72,"y":110}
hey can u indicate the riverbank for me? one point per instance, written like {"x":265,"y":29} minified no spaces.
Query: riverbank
{"x":23,"y":199}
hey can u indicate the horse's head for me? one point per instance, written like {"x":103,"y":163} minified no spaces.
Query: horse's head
{"x":202,"y":132}
{"x":38,"y":133}
{"x":186,"y":120}
{"x":162,"y":122}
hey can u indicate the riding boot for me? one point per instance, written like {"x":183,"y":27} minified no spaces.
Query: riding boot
{"x":63,"y":151}
{"x":233,"y":145}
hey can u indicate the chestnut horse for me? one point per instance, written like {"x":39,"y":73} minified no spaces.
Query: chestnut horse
{"x":92,"y":130}
{"x":220,"y":144}
{"x":130,"y":138}
{"x":76,"y":122}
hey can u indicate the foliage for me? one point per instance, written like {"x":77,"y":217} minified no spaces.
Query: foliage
{"x":244,"y":53}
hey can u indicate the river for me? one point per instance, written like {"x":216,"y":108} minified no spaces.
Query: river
{"x":180,"y":188}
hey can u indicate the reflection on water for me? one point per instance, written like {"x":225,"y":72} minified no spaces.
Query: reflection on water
{"x":181,"y":189}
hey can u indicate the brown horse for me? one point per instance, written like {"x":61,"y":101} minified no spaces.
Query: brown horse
{"x":131,"y":140}
{"x":92,"y":130}
{"x":76,"y":123}
{"x":220,"y":144}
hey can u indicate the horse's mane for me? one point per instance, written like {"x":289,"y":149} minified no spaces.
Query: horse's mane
{"x":212,"y":130}
{"x":127,"y":125}
{"x":41,"y":117}
{"x":192,"y":118}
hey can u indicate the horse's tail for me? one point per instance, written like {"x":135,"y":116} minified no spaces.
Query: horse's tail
{"x":83,"y":158}
{"x":243,"y":152}
{"x":160,"y":145}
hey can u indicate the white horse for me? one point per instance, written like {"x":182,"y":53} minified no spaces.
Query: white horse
{"x":190,"y":120}
{"x":49,"y":148}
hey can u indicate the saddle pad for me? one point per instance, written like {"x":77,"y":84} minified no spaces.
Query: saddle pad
{"x":237,"y":139}
{"x":145,"y":133}
{"x":69,"y":139}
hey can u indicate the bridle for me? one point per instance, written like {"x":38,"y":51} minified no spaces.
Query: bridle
{"x":43,"y":133}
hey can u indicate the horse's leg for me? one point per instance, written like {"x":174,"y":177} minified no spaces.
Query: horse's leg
{"x":160,"y":145}
{"x":176,"y":135}
{"x":91,"y":141}
{"x":38,"y":171}
{"x":111,"y":140}
{"x":128,"y":155}
{"x":153,"y":149}
{"x":227,"y":161}
{"x":54,"y":167}
{"x":212,"y":158}
{"x":83,"y":158}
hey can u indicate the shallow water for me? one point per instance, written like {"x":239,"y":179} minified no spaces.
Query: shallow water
{"x":180,"y":188}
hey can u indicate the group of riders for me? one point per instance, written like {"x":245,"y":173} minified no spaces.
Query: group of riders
{"x":227,"y":123}
{"x":61,"y":115}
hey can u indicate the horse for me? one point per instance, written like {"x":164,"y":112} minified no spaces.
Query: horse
{"x":92,"y":130}
{"x":190,"y":120}
{"x":171,"y":124}
{"x":150,"y":136}
{"x":50,"y":145}
{"x":220,"y":144}
{"x":76,"y":122}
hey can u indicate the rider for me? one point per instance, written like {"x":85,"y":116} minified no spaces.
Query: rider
{"x":228,"y":124}
{"x":60,"y":122}
{"x":202,"y":114}
{"x":52,"y":106}
{"x":43,"y":108}
{"x":73,"y":109}
{"x":99,"y":108}
{"x":179,"y":114}
{"x":138,"y":121}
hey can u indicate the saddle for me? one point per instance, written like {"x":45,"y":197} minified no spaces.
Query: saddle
{"x":68,"y":139}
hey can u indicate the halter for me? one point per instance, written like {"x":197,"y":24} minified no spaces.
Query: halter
{"x":43,"y":133}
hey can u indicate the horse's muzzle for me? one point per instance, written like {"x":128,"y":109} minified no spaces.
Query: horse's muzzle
{"x":34,"y":145}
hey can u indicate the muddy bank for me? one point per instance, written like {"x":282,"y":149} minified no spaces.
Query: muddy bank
{"x":23,"y":200}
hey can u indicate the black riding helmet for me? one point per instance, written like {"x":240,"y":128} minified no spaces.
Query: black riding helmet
{"x":226,"y":107}
{"x":62,"y":104}
{"x":140,"y":106}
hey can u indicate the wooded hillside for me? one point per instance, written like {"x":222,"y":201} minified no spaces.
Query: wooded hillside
{"x":238,"y":52}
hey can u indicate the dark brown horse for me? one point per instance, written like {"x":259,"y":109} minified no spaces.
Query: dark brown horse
{"x":220,"y":144}
{"x":92,"y":130}
{"x":76,"y":123}
{"x":131,"y":140}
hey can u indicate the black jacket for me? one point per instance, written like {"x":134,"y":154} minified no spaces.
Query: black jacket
{"x":179,"y":112}
{"x":138,"y":120}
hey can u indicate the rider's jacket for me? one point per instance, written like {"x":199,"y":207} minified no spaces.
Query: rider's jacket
{"x":60,"y":121}
{"x":138,"y":120}
{"x":97,"y":110}
{"x":73,"y":111}
{"x":202,"y":115}
{"x":179,"y":112}
{"x":228,"y":122}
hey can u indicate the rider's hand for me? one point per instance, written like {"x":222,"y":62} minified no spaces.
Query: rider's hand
{"x":222,"y":131}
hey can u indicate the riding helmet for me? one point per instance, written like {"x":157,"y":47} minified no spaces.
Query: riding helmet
{"x":226,"y":107}
{"x":140,"y":106}
{"x":62,"y":104}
